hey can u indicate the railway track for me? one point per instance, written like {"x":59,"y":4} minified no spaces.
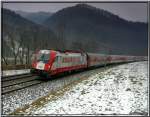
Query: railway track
{"x":12,"y":77}
{"x":18,"y":82}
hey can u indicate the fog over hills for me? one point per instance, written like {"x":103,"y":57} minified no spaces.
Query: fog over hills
{"x":80,"y":27}
{"x":37,"y":17}
{"x":88,"y":28}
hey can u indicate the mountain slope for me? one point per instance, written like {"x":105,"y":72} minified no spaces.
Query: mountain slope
{"x":37,"y":17}
{"x":88,"y":28}
{"x":21,"y":34}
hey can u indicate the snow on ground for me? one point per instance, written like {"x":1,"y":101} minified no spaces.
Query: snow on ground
{"x":14,"y":72}
{"x":118,"y":90}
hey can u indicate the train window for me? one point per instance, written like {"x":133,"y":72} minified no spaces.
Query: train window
{"x":58,"y":61}
{"x":43,"y":57}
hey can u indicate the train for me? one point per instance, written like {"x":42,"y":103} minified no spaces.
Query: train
{"x":49,"y":63}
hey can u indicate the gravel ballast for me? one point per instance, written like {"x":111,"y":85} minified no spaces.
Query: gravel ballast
{"x":12,"y":101}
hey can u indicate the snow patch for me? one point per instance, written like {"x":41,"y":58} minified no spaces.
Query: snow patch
{"x":119,"y":90}
{"x":15,"y":72}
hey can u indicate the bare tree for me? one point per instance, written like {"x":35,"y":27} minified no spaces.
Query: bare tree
{"x":60,"y":29}
{"x":4,"y":53}
{"x":77,"y":46}
{"x":15,"y":45}
{"x":4,"y":60}
{"x":21,"y":54}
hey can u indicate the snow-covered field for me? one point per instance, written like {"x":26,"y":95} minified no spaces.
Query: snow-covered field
{"x":14,"y":72}
{"x":119,"y":90}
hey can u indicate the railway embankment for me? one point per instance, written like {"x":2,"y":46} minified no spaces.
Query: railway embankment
{"x":27,"y":95}
{"x":122,"y":89}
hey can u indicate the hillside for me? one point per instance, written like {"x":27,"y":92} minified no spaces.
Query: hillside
{"x":23,"y":37}
{"x":89,"y":28}
{"x":37,"y":17}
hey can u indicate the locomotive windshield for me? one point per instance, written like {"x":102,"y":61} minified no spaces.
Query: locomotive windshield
{"x":43,"y":57}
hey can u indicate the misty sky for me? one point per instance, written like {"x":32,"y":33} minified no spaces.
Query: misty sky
{"x":129,"y":11}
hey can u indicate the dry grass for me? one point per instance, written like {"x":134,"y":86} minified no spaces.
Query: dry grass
{"x":52,"y":96}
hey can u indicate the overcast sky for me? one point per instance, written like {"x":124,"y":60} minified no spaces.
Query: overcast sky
{"x":129,"y":11}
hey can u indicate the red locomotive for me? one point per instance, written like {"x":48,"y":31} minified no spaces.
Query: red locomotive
{"x":51,"y":62}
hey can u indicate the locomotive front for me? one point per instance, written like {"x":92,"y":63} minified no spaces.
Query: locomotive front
{"x":42,"y":62}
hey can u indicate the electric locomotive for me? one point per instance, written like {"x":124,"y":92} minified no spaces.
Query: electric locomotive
{"x":50,"y":62}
